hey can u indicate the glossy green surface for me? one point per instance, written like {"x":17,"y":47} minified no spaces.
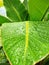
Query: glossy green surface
{"x":37,"y":9}
{"x":4,"y":19}
{"x":14,"y":42}
{"x":15,"y":10}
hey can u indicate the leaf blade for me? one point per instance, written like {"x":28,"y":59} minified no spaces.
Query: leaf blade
{"x":4,"y":19}
{"x":15,"y":10}
{"x":37,"y":9}
{"x":15,"y":44}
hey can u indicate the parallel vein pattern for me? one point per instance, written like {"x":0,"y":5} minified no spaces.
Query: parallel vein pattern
{"x":16,"y":11}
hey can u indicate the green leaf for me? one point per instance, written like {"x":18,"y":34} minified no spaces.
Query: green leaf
{"x":4,"y":64}
{"x":2,"y":56}
{"x":46,"y":18}
{"x":15,"y":10}
{"x":4,"y":19}
{"x":46,"y":61}
{"x":37,"y":9}
{"x":25,"y":3}
{"x":26,"y":43}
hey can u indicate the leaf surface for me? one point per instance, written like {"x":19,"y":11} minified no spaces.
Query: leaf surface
{"x":26,"y":43}
{"x":15,"y":10}
{"x":37,"y":9}
{"x":26,"y":3}
{"x":4,"y":19}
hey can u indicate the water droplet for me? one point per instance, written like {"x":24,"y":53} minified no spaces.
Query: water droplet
{"x":17,"y":61}
{"x":40,"y":52}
